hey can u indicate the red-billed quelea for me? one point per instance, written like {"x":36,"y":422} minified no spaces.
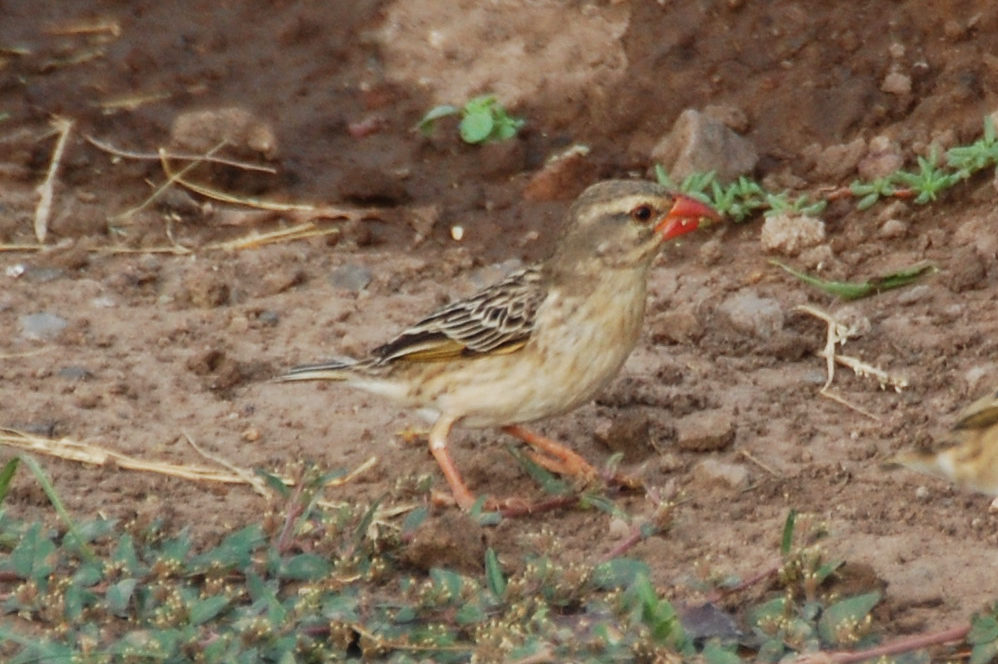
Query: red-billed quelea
{"x":539,"y":343}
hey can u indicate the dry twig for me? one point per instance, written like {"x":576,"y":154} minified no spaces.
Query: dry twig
{"x":838,"y":333}
{"x":178,"y":156}
{"x":46,"y":189}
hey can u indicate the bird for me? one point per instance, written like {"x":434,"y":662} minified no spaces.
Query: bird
{"x":538,"y":343}
{"x":969,"y":457}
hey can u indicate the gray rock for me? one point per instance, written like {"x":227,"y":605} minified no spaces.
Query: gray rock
{"x":351,"y":277}
{"x":699,"y":143}
{"x":74,"y":372}
{"x":43,"y":325}
{"x":760,"y":317}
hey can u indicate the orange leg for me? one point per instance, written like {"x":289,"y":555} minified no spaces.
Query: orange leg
{"x":463,"y":496}
{"x":438,"y":448}
{"x":554,"y":456}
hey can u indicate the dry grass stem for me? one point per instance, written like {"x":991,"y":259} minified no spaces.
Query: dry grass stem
{"x":253,"y":480}
{"x":27,"y":353}
{"x":46,"y":189}
{"x":131,"y":102}
{"x":158,"y":191}
{"x":177,"y":156}
{"x":71,"y":450}
{"x":225,"y":197}
{"x":86,"y":27}
{"x":21,"y":247}
{"x":256,"y":239}
{"x":766,"y":467}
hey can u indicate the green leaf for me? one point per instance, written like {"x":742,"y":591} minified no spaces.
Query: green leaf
{"x":30,"y":558}
{"x":767,"y":617}
{"x":772,"y":650}
{"x":868,"y":201}
{"x":494,"y":575}
{"x":548,"y":482}
{"x":305,"y":567}
{"x":205,"y":609}
{"x":427,"y":122}
{"x":6,"y":475}
{"x":57,"y":504}
{"x":786,"y":542}
{"x":340,"y":607}
{"x":983,"y":653}
{"x":88,"y":574}
{"x":274,"y":482}
{"x":983,"y":629}
{"x":481,"y":517}
{"x":506,"y":127}
{"x":447,"y":581}
{"x":854,"y":290}
{"x":235,"y":551}
{"x":469,"y":614}
{"x":827,"y":569}
{"x":840,"y":615}
{"x":618,"y":573}
{"x":715,"y":653}
{"x":76,"y":600}
{"x":476,"y":126}
{"x":124,"y":554}
{"x":119,"y":595}
{"x":413,"y":520}
{"x":657,"y":614}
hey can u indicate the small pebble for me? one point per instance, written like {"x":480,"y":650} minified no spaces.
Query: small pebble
{"x":896,"y":83}
{"x":788,"y":234}
{"x":351,"y":277}
{"x":922,"y":493}
{"x":73,"y":372}
{"x":269,"y":317}
{"x":761,"y":317}
{"x":43,"y":325}
{"x":711,"y":472}
{"x":893,"y":228}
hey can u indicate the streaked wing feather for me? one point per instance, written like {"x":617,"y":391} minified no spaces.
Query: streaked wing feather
{"x":498,"y":319}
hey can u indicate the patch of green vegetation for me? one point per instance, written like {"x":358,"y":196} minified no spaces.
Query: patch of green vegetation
{"x":321,"y":585}
{"x":483,"y":119}
{"x":743,"y":198}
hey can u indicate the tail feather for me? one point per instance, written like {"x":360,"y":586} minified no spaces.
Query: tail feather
{"x":339,"y":368}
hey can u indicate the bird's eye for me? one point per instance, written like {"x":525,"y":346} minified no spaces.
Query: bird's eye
{"x":641,"y":213}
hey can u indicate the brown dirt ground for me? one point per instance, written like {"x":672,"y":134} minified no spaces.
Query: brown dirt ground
{"x":159,"y":345}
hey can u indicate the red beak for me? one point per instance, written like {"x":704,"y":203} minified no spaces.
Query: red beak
{"x":684,"y":217}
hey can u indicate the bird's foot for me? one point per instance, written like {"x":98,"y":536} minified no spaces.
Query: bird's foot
{"x":510,"y":507}
{"x":557,"y":458}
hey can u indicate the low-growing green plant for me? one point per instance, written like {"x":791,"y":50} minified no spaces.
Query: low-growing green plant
{"x":483,"y":119}
{"x":743,"y":198}
{"x":321,"y":585}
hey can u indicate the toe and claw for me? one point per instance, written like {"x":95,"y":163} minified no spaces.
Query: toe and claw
{"x":548,"y":454}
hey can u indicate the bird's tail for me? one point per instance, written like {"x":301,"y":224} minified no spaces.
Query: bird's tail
{"x":339,"y":368}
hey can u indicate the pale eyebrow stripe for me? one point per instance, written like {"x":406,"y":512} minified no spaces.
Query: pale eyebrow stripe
{"x":623,"y":205}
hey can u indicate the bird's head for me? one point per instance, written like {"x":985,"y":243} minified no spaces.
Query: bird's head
{"x":622,"y":223}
